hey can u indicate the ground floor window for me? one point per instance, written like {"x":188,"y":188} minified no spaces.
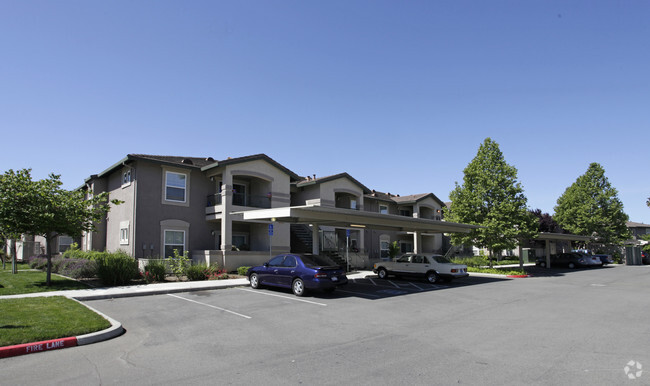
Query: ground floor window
{"x":174,"y":240}
{"x":64,"y":243}
{"x":406,"y":247}
{"x":384,"y":245}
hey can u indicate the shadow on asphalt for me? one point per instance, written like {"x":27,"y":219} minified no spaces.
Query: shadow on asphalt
{"x":559,"y":271}
{"x":373,"y":288}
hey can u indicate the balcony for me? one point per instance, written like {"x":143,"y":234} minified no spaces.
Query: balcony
{"x":241,"y":199}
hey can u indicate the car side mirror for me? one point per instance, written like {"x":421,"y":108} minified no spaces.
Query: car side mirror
{"x":266,"y":264}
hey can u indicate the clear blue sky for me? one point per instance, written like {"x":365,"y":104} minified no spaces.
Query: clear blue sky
{"x":400,"y":94}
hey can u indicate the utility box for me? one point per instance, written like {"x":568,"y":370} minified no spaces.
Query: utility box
{"x":633,"y":256}
{"x":528,"y":255}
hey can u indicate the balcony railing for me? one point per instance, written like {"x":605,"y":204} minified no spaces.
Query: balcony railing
{"x":241,"y":199}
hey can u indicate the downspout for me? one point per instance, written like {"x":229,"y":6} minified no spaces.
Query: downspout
{"x":134,"y":181}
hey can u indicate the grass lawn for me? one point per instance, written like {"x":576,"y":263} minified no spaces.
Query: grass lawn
{"x":25,"y":282}
{"x":28,"y":320}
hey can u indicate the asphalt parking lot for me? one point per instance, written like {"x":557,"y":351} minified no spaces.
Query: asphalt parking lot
{"x":564,"y":328}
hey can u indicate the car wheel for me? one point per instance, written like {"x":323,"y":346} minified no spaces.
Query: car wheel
{"x":382,"y":273}
{"x":298,"y":287}
{"x":433,"y":277}
{"x":571,"y":265}
{"x":255,"y":280}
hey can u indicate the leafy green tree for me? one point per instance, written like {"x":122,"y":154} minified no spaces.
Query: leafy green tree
{"x":491,"y":197}
{"x":44,"y":208}
{"x":590,"y":207}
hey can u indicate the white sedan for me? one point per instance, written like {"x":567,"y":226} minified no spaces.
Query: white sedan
{"x":434,"y":268}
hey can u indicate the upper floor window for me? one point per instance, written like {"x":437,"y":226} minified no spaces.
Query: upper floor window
{"x":175,"y":186}
{"x":353,"y":204}
{"x":64,"y":243}
{"x":383,"y":209}
{"x":126,"y":177}
{"x":405,"y":212}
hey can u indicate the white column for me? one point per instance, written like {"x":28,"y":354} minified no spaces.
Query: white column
{"x":315,"y":240}
{"x":417,"y":242}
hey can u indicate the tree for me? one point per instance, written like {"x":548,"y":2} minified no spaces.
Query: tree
{"x":590,"y":207}
{"x":48,"y":210}
{"x":18,"y":199}
{"x":545,"y":222}
{"x":492,"y":198}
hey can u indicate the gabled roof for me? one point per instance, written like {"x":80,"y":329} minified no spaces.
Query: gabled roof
{"x":202,"y":163}
{"x":306,"y":181}
{"x":410,"y":199}
{"x":231,"y":161}
{"x":631,"y":224}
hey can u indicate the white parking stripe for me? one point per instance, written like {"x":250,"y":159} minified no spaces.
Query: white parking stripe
{"x":393,"y":284}
{"x":282,"y":296}
{"x":211,"y":306}
{"x":413,"y":284}
{"x":358,"y":293}
{"x":372,"y":281}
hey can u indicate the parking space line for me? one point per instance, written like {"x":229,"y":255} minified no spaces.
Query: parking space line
{"x":413,"y":284}
{"x":358,"y":293}
{"x":372,"y":281}
{"x":394,"y":284}
{"x":282,"y":296}
{"x":211,"y":306}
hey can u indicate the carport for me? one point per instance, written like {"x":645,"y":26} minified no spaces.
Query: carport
{"x":317,"y":215}
{"x":548,"y":237}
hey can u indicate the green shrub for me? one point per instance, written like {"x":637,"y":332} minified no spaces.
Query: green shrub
{"x":154,"y":271}
{"x":79,"y":268}
{"x":201,"y":272}
{"x":117,"y":269}
{"x":179,"y":263}
{"x":474,"y":261}
{"x":243,"y":270}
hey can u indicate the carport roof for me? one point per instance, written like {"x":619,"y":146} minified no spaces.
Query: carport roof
{"x":350,"y":218}
{"x":562,"y":236}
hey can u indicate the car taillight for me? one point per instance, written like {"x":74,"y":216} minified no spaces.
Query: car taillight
{"x":454,"y":270}
{"x":320,"y":275}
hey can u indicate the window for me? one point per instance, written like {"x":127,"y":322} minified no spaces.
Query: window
{"x":126,"y":177}
{"x":353,"y":204}
{"x":405,"y":247}
{"x":405,"y":212}
{"x":383,"y":209}
{"x":289,"y":262}
{"x":239,"y":195}
{"x":175,"y":184}
{"x":276,"y":261}
{"x":174,"y":240}
{"x":124,"y":233}
{"x":384,"y":245}
{"x":240,"y":242}
{"x":64,"y":243}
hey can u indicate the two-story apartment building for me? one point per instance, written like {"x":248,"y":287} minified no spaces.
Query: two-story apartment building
{"x":240,"y":211}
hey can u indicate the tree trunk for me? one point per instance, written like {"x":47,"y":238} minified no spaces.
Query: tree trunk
{"x":14,"y":253}
{"x":49,"y":239}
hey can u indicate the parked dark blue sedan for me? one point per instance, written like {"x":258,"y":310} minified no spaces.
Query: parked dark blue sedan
{"x":298,"y":272}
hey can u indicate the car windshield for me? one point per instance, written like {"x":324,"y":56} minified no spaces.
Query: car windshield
{"x":441,"y":259}
{"x":317,"y":261}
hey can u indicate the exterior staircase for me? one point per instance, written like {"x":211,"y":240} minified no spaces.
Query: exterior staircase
{"x":301,"y":241}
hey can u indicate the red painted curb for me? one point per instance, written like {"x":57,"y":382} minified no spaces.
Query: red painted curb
{"x":518,"y":276}
{"x":30,"y":348}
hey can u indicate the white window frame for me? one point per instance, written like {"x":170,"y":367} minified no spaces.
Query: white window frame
{"x":124,"y":233}
{"x":383,"y":206}
{"x":183,"y":249}
{"x":384,"y":239}
{"x":63,"y":237}
{"x":126,"y":177}
{"x":185,"y":189}
{"x":353,"y":203}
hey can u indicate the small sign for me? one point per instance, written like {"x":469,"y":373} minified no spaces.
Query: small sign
{"x":347,"y":233}
{"x":270,"y":229}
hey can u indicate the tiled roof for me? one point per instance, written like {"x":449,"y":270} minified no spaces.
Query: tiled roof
{"x":184,"y":161}
{"x":309,"y":181}
{"x":631,"y":224}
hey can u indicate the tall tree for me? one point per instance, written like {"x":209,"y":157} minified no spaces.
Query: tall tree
{"x":545,"y":222}
{"x":47,"y":209}
{"x":590,"y":207}
{"x":491,"y":197}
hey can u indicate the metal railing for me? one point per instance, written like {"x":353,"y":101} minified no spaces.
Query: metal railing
{"x":241,"y":199}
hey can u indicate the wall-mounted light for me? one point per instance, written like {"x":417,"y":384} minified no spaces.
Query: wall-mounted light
{"x":357,"y":226}
{"x":144,"y":246}
{"x":151,"y":247}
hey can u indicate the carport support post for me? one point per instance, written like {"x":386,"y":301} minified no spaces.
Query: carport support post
{"x":548,"y":254}
{"x":315,"y":241}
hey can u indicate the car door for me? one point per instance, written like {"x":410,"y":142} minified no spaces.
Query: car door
{"x":285,"y":273}
{"x":272,"y":268}
{"x":402,"y":265}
